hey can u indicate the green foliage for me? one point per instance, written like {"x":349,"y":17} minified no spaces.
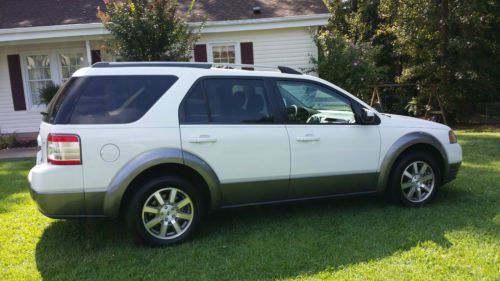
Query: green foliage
{"x":413,"y":107}
{"x":48,"y":92}
{"x":8,"y":141}
{"x":449,"y":47}
{"x":456,"y":237}
{"x":348,"y":55}
{"x":349,"y":65}
{"x":147,"y":30}
{"x":446,"y":47}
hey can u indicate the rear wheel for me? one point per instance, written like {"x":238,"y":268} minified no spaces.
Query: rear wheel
{"x":415,"y":179}
{"x":165,"y":211}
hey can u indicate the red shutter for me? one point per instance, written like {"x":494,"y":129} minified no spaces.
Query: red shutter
{"x":200,"y":53}
{"x":95,"y":56}
{"x":247,"y":54}
{"x":16,"y":82}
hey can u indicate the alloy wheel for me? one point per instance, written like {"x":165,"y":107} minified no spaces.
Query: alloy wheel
{"x":168,"y":213}
{"x":417,"y":181}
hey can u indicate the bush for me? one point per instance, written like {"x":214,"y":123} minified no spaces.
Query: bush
{"x":8,"y":141}
{"x":48,"y":92}
{"x":349,"y":65}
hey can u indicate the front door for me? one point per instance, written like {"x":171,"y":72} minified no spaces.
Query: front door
{"x":230,"y":124}
{"x":330,"y":152}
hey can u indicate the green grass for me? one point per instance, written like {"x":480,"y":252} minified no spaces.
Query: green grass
{"x":455,"y":237}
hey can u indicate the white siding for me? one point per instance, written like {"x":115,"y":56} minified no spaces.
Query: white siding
{"x":288,"y":46}
{"x":291,"y":47}
{"x":21,"y":121}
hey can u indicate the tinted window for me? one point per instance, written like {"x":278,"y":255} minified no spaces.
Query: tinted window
{"x":195,"y":107}
{"x":311,"y":103}
{"x":233,"y":101}
{"x":107,"y":99}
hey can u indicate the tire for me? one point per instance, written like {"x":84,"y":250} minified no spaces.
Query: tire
{"x":165,"y":211}
{"x":414,"y":188}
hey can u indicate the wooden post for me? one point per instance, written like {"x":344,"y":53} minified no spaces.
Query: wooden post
{"x":375,"y":95}
{"x":441,"y":110}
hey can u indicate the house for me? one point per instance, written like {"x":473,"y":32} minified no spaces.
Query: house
{"x":48,"y":40}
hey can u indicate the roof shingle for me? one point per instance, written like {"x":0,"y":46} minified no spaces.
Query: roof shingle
{"x":26,"y":13}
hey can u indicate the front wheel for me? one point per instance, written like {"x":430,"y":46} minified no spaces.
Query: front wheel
{"x":415,"y":179}
{"x":165,"y":211}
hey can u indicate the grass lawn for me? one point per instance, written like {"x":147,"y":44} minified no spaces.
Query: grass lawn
{"x":455,"y":237}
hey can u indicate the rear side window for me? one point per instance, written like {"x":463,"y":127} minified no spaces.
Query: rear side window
{"x":227,"y":101}
{"x":195,"y":109}
{"x":107,"y":99}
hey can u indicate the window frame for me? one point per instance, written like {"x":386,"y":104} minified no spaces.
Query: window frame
{"x":355,"y":106}
{"x":55,"y":72}
{"x":268,"y":92}
{"x":237,"y":50}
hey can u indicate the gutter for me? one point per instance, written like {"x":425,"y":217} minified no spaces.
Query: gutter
{"x":12,"y":35}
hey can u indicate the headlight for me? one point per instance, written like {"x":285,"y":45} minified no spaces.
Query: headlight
{"x":452,"y":137}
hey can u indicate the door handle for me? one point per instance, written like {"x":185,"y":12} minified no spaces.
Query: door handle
{"x":307,"y":137}
{"x":202,"y":139}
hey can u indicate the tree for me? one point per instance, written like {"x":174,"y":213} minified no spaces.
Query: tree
{"x":148,"y":30}
{"x":445,"y":47}
{"x":448,"y":46}
{"x":351,"y":66}
{"x":346,"y":53}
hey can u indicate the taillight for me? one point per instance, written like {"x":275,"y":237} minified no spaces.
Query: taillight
{"x":63,"y":150}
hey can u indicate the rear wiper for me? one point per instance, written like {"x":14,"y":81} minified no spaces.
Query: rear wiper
{"x":44,"y":113}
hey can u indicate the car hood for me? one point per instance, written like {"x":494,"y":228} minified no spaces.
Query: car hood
{"x":406,"y":121}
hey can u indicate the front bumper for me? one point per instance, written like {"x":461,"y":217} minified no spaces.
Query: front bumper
{"x":451,"y":172}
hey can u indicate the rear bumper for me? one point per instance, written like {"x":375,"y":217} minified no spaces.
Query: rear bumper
{"x":451,"y":172}
{"x":57,"y":204}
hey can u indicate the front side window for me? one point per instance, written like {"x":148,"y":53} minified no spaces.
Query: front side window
{"x":313,"y":104}
{"x":227,"y":101}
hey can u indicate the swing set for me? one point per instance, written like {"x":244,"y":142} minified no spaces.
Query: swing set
{"x":433,"y":115}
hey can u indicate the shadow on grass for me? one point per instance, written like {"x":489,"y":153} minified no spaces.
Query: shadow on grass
{"x":280,"y":241}
{"x":261,"y":242}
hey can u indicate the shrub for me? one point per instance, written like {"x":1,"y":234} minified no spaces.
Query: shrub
{"x":349,"y":65}
{"x":48,"y":92}
{"x":8,"y":141}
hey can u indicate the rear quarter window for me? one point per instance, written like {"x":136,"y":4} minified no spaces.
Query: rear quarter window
{"x":107,"y":99}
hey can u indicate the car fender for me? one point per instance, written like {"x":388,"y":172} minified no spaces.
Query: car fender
{"x":142,"y":162}
{"x":401,"y":145}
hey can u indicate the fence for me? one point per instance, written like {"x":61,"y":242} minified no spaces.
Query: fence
{"x":481,"y":113}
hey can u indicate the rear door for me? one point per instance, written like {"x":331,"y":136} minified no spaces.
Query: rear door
{"x":231,"y":124}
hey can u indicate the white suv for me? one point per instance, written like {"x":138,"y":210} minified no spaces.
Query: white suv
{"x":164,"y":143}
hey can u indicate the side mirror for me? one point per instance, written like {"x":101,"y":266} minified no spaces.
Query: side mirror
{"x":368,"y":116}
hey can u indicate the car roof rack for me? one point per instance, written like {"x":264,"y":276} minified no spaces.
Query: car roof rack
{"x":282,"y":69}
{"x":203,"y":65}
{"x":149,"y":64}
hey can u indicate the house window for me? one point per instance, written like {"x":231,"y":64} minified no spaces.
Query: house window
{"x":70,"y":62}
{"x":224,"y":53}
{"x":43,"y":67}
{"x":39,"y":75}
